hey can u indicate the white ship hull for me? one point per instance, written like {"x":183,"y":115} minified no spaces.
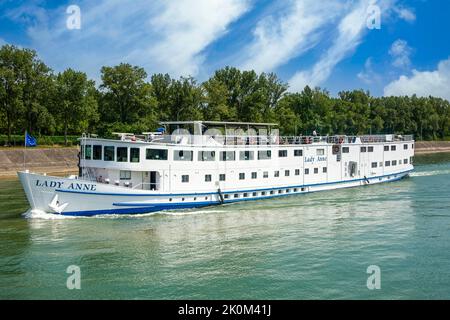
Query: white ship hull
{"x":73,"y":197}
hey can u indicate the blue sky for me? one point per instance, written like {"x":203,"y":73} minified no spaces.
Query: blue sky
{"x":323,"y":43}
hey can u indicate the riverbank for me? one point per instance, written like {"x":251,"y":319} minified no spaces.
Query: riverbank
{"x":63,"y":161}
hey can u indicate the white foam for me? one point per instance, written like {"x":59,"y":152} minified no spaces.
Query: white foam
{"x":430,"y":173}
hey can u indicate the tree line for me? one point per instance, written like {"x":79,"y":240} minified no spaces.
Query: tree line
{"x":36,"y":99}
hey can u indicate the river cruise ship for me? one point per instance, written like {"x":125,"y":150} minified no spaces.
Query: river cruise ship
{"x":197,"y":163}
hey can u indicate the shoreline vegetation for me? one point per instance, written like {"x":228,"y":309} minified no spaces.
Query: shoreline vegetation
{"x":57,"y":107}
{"x":63,"y":161}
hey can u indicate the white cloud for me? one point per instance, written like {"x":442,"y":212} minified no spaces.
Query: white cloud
{"x":288,"y":34}
{"x":2,"y":42}
{"x":350,"y":31}
{"x":423,"y":83}
{"x":405,"y":14}
{"x":161,"y":35}
{"x":368,"y":75}
{"x":400,"y":52}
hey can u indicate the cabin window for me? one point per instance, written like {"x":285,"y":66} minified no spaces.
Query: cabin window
{"x":320,"y":152}
{"x":298,"y":153}
{"x":255,"y":194}
{"x":185,"y":178}
{"x":246,"y":155}
{"x":254,"y":175}
{"x":324,"y":169}
{"x":394,"y":163}
{"x":374,"y":165}
{"x":297,"y":172}
{"x":88,"y":152}
{"x":405,"y":161}
{"x":370,"y":149}
{"x":122,"y":154}
{"x":183,"y":155}
{"x":277,"y":174}
{"x":208,"y":178}
{"x":363,"y":149}
{"x":227,"y":156}
{"x":135,"y":155}
{"x":387,"y":164}
{"x":222,"y":177}
{"x":157,"y":154}
{"x":264,"y":155}
{"x":97,"y":153}
{"x":125,"y":175}
{"x":287,"y":173}
{"x":316,"y":170}
{"x":411,"y":160}
{"x":265,"y":174}
{"x":345,"y":149}
{"x":108,"y":153}
{"x":386,"y":148}
{"x":306,"y":171}
{"x":206,"y":156}
{"x":282,"y":153}
{"x":405,"y":147}
{"x":393,"y":148}
{"x":381,"y":164}
{"x":412,"y":146}
{"x":241,"y":176}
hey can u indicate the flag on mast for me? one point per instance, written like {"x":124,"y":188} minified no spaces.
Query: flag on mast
{"x":29,"y":140}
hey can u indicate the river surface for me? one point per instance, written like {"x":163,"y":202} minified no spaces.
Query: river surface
{"x":315,"y":246}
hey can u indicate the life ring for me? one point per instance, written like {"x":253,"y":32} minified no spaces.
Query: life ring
{"x":341,"y":140}
{"x":336,"y":149}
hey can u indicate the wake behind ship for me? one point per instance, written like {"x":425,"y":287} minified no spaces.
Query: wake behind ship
{"x":196,"y":164}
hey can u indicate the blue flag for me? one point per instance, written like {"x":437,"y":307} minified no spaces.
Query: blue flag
{"x":30,"y":141}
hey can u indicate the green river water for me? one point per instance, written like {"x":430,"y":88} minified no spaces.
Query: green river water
{"x":315,"y":246}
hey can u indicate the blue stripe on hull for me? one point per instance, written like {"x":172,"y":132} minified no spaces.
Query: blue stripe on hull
{"x":146,"y":208}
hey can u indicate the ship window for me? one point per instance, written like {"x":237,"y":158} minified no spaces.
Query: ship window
{"x":297,"y":172}
{"x":306,"y":171}
{"x":227,"y":156}
{"x":222,"y":177}
{"x":227,"y":196}
{"x":254,"y":175}
{"x":183,"y":155}
{"x":411,"y":160}
{"x":265,"y":174}
{"x":97,"y":153}
{"x":263,"y":193}
{"x":295,"y":189}
{"x":316,"y":170}
{"x":363,"y":149}
{"x":208,"y":178}
{"x":255,"y":194}
{"x":298,"y":153}
{"x":374,"y":165}
{"x":394,"y":163}
{"x":264,"y":155}
{"x":412,"y":146}
{"x":246,"y":155}
{"x":135,"y":155}
{"x":157,"y":154}
{"x":282,"y":153}
{"x":370,"y":149}
{"x":125,"y":175}
{"x":287,"y":173}
{"x":393,"y":148}
{"x":236,"y":195}
{"x":386,"y":148}
{"x":405,"y":161}
{"x":272,"y":192}
{"x":381,"y":164}
{"x":206,"y":155}
{"x":245,"y":195}
{"x":405,"y":147}
{"x":185,"y":178}
{"x":122,"y":154}
{"x":345,"y":149}
{"x":280,"y":191}
{"x":276,"y":174}
{"x":320,"y":152}
{"x":387,"y":164}
{"x":241,"y":176}
{"x":108,"y":153}
{"x":88,"y":152}
{"x":324,"y":169}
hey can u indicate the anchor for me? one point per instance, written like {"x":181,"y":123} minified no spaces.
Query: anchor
{"x":55,"y":206}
